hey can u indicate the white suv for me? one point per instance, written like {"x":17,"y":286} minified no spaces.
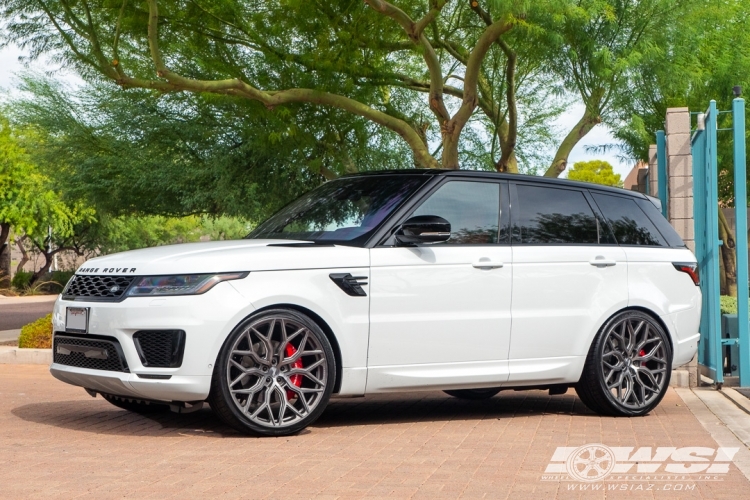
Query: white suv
{"x":467,"y":282}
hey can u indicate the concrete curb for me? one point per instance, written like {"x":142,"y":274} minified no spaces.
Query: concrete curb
{"x":16,"y":356}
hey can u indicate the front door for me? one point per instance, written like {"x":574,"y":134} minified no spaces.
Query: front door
{"x":440,"y":314}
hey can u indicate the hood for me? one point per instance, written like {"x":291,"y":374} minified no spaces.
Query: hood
{"x":226,"y":256}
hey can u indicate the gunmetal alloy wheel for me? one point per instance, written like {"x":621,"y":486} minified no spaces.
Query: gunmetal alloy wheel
{"x":628,"y":368}
{"x":274,"y":375}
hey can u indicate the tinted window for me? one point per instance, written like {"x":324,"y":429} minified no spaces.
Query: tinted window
{"x":472,"y":208}
{"x":664,"y":227}
{"x":344,"y":210}
{"x":552,"y":215}
{"x":628,"y":222}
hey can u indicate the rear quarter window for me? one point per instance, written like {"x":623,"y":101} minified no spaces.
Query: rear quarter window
{"x":664,"y":227}
{"x":630,"y":223}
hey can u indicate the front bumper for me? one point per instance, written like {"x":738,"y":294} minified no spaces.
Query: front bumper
{"x":206,"y":319}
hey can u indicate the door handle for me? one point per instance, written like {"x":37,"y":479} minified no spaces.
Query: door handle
{"x":600,"y":261}
{"x":485,"y":263}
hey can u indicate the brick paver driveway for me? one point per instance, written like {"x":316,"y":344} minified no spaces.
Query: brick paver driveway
{"x":57,"y":442}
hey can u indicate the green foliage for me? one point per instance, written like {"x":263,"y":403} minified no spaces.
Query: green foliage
{"x":37,"y":335}
{"x":596,"y":171}
{"x":27,"y":202}
{"x":21,"y":280}
{"x":728,"y":304}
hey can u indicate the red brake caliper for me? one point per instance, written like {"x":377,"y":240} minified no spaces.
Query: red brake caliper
{"x":294,"y":379}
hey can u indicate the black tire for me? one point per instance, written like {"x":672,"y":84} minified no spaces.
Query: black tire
{"x":228,"y":406}
{"x":474,"y":394}
{"x":136,"y":405}
{"x":593,"y":388}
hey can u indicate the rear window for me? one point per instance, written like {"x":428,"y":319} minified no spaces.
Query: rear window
{"x":553,"y":216}
{"x":664,"y":227}
{"x":629,"y":223}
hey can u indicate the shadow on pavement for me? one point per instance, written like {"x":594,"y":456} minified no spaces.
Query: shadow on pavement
{"x":99,"y":417}
{"x":436,"y":406}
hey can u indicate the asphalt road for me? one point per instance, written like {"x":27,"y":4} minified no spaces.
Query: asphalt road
{"x":14,"y":315}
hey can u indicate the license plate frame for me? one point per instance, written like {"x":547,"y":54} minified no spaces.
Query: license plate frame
{"x":77,"y":319}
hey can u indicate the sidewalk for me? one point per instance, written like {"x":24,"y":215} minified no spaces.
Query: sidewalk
{"x":421,"y":445}
{"x":31,"y":299}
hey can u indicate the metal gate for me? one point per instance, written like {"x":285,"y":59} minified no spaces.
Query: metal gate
{"x":706,"y":216}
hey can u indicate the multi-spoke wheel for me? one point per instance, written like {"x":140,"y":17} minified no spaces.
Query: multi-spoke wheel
{"x":274,"y":374}
{"x":474,"y":394}
{"x":628,"y":367}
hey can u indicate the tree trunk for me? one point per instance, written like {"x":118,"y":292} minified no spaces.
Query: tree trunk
{"x":4,"y":255}
{"x":507,"y":165}
{"x":24,"y":254}
{"x":450,"y":150}
{"x":48,"y":258}
{"x":728,"y":257}
{"x":589,"y":120}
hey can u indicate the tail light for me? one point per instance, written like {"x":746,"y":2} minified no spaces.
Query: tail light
{"x":689,"y":268}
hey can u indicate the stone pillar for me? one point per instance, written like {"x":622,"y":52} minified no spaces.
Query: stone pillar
{"x":680,"y":174}
{"x":653,"y":174}
{"x":680,"y":189}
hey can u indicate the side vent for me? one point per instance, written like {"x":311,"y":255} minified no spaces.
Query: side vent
{"x":351,"y":285}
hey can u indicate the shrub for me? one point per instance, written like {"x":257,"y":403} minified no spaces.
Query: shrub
{"x":728,"y":304}
{"x":37,"y":335}
{"x":21,"y":279}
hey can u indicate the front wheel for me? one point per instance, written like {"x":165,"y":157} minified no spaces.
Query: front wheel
{"x":274,"y":374}
{"x":628,"y":367}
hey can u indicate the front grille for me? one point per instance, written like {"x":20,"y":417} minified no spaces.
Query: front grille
{"x":160,"y":348}
{"x":102,"y":288}
{"x":100,"y":353}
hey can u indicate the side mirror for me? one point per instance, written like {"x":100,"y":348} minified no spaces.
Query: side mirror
{"x":423,"y":229}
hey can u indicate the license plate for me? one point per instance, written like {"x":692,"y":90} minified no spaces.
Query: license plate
{"x":77,"y":319}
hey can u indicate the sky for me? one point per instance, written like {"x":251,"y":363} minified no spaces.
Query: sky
{"x":9,"y":65}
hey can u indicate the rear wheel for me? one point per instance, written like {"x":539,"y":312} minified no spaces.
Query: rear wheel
{"x":135,"y":405}
{"x":474,"y":394}
{"x":274,"y":374}
{"x":628,"y":367}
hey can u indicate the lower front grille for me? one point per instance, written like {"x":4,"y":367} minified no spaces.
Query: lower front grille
{"x":160,"y":348}
{"x":99,"y":353}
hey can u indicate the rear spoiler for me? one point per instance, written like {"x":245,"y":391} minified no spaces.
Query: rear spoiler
{"x":656,"y":201}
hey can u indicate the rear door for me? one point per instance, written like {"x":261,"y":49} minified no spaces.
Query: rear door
{"x":569,"y":275}
{"x":440,"y":314}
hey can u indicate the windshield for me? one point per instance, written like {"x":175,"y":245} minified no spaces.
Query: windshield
{"x":344,"y":210}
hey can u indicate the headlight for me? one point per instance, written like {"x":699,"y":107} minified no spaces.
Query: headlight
{"x":186,"y":284}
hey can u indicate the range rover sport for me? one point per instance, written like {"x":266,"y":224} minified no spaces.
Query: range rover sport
{"x":466,"y":282}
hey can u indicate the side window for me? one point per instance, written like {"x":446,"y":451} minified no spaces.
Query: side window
{"x":662,"y":225}
{"x":629,"y":223}
{"x":472,"y":208}
{"x":552,"y":215}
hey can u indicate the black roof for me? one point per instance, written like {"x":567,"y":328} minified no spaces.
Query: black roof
{"x":495,"y":175}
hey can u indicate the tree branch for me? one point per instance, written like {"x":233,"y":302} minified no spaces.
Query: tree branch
{"x":471,"y":79}
{"x":271,"y":99}
{"x":588,"y":121}
{"x":415,"y":31}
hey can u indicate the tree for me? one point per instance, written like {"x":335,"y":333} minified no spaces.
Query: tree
{"x":27,"y":204}
{"x":693,"y":61}
{"x":596,"y":171}
{"x":443,"y":75}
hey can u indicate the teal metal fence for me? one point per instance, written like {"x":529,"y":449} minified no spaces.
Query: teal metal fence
{"x":704,"y":144}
